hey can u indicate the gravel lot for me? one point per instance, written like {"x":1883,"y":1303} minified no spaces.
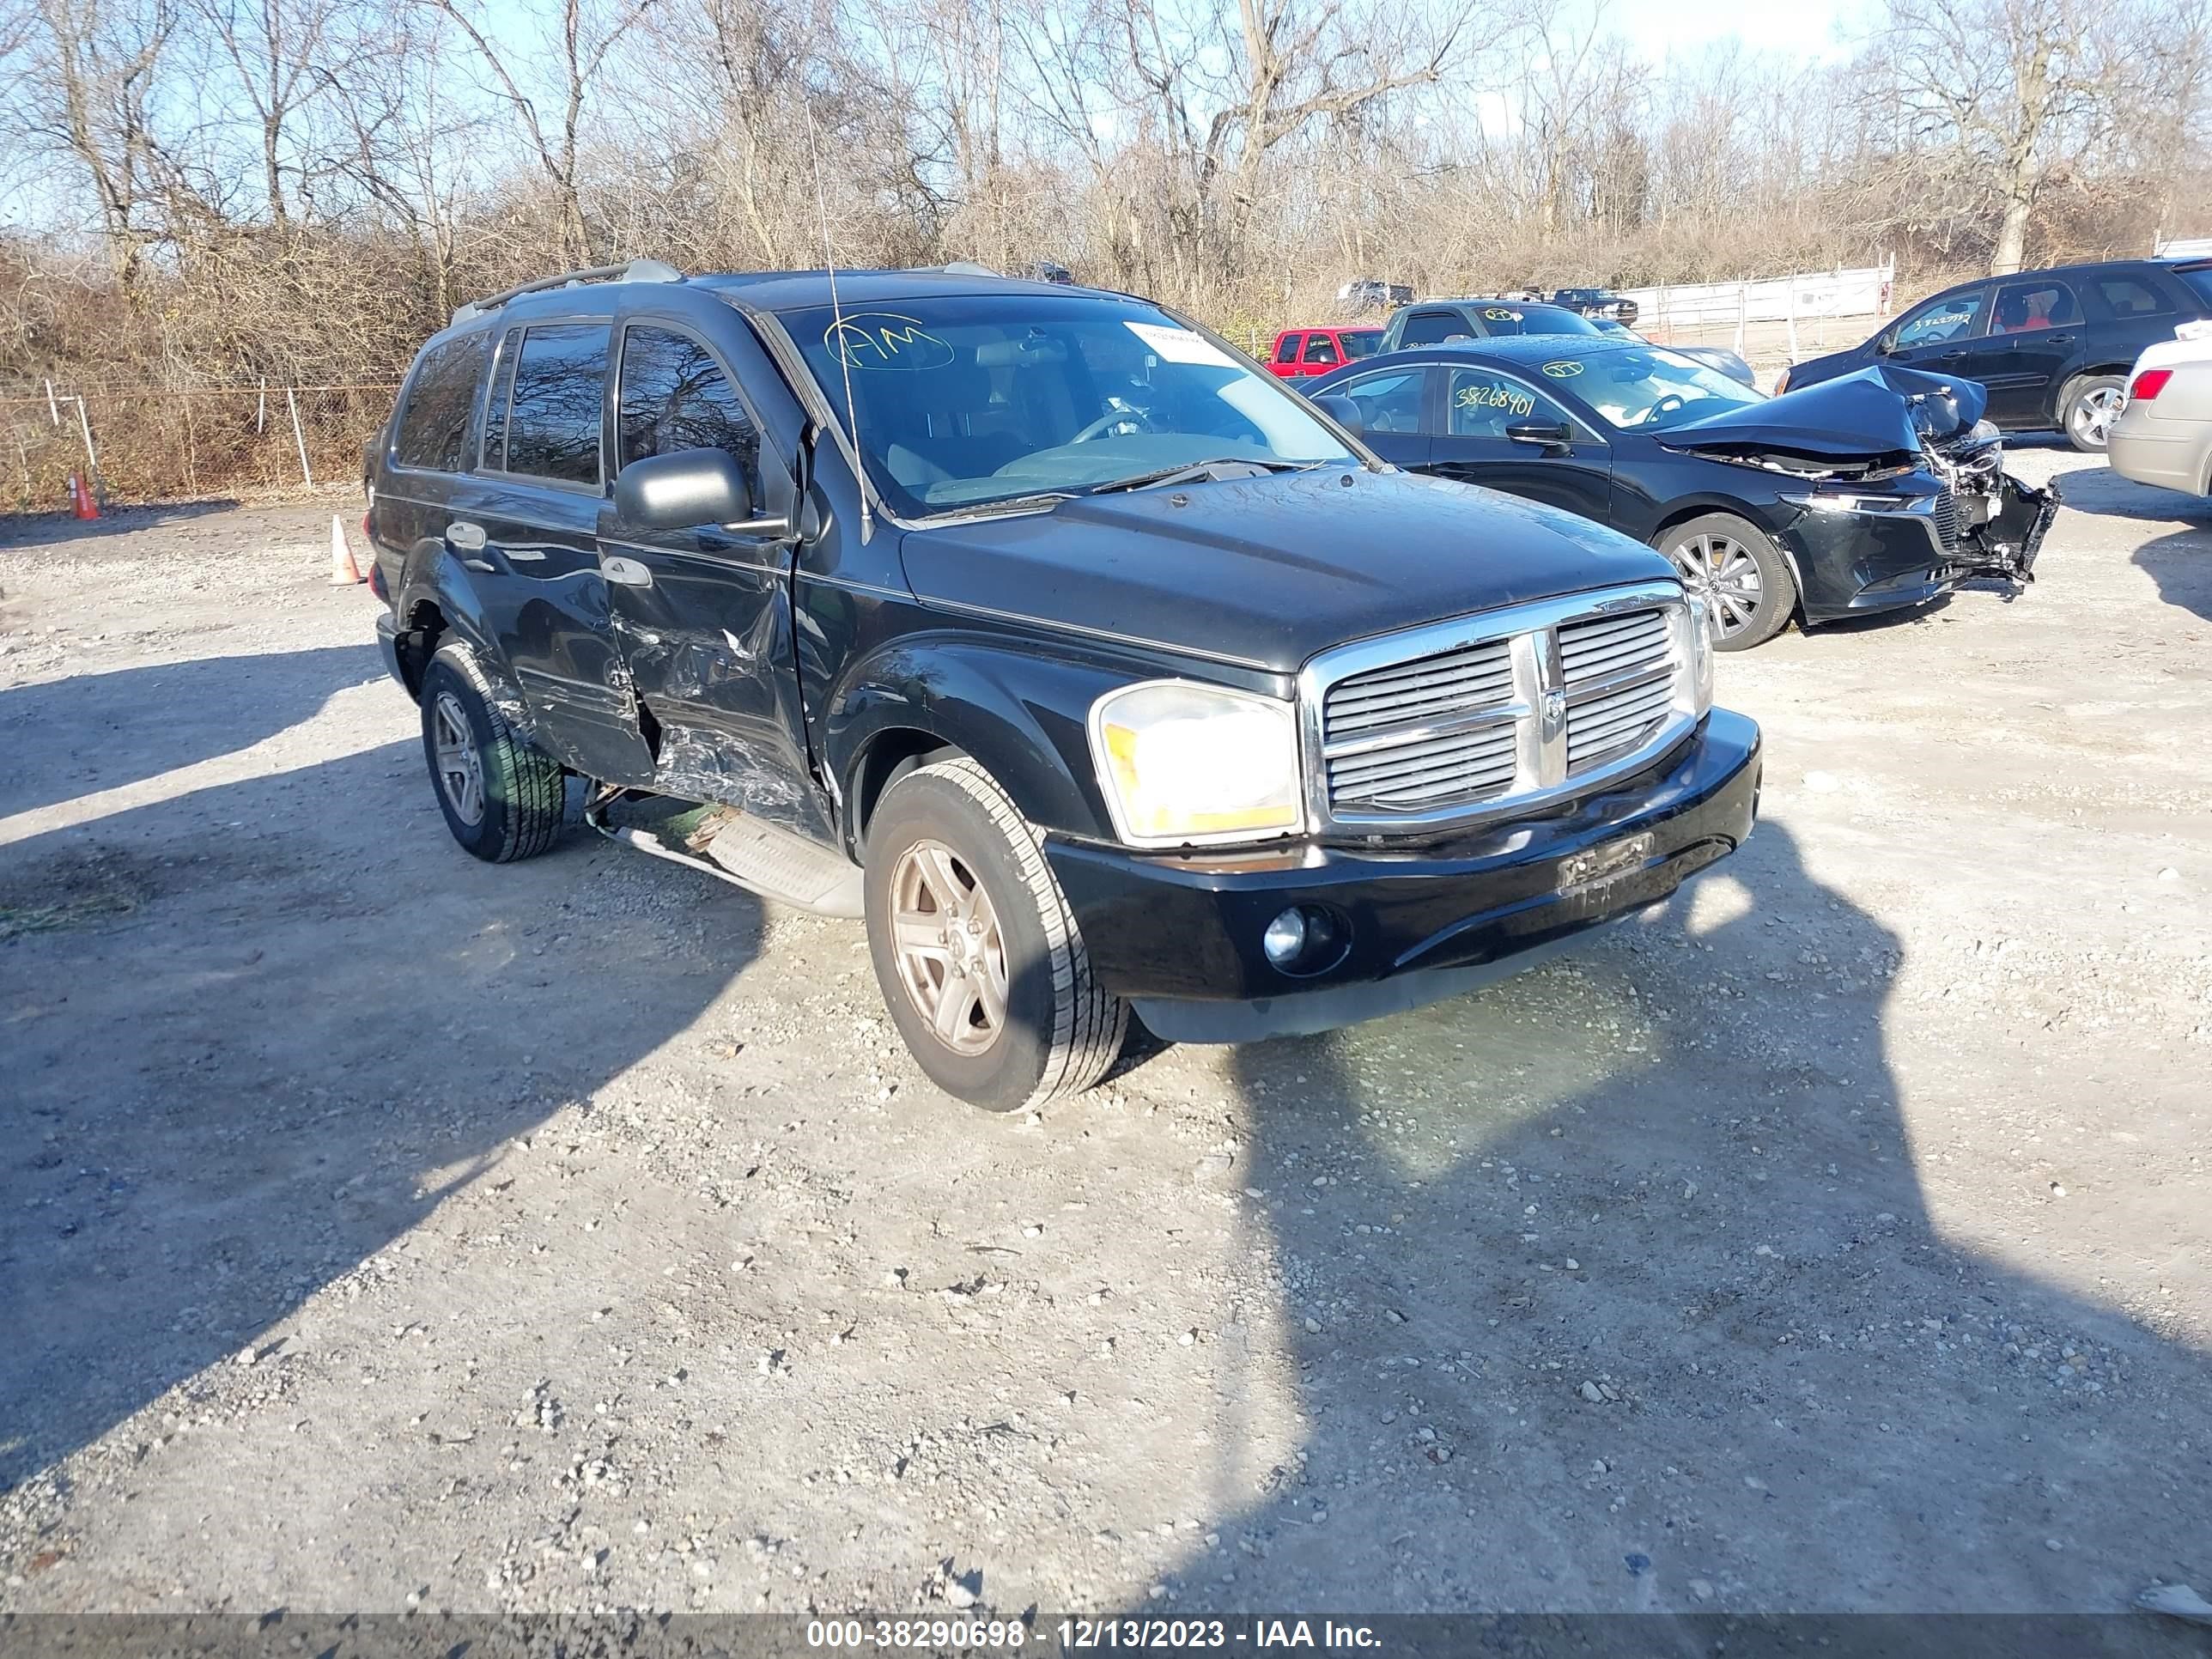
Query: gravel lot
{"x":378,"y":1227}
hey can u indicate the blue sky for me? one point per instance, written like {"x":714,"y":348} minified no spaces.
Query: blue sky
{"x":1805,"y":30}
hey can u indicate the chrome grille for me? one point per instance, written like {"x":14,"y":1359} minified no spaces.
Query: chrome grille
{"x":1605,"y":646}
{"x":1456,"y":680}
{"x":1616,"y":722}
{"x":1431,"y":733}
{"x":1619,"y":673}
{"x":1467,"y":719}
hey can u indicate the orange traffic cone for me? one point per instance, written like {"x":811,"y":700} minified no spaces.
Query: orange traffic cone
{"x":81,"y":501}
{"x":344,"y":573}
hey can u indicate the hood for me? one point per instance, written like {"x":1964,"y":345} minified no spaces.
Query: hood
{"x":1269,"y":570}
{"x":1880,"y":410}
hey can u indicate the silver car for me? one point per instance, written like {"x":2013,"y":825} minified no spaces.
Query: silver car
{"x":2164,"y":433}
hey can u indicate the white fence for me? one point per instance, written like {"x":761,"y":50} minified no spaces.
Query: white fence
{"x":1862,"y":292}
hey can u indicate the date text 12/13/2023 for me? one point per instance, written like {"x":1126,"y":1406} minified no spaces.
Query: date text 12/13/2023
{"x":1083,"y":1635}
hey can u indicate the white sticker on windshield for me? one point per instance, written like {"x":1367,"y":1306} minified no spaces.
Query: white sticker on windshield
{"x":1179,"y":345}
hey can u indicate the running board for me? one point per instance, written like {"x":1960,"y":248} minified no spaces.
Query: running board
{"x":764,"y":861}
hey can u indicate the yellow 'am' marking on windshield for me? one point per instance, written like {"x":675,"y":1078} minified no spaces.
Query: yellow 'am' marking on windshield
{"x":885,"y":339}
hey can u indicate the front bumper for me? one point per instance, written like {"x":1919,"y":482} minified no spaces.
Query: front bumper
{"x":1852,"y":563}
{"x":1181,"y":935}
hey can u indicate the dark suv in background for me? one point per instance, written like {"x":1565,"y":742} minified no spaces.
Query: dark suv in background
{"x":2052,"y":348}
{"x":1097,"y":669}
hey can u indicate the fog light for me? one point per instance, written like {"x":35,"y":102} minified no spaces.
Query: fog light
{"x":1285,"y":938}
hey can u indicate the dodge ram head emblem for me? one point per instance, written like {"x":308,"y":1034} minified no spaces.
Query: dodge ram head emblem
{"x":1554,"y":707}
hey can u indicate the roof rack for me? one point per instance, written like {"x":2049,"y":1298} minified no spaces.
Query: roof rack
{"x":637,"y":271}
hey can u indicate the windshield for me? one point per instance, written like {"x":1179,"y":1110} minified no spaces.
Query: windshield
{"x":968,"y":399}
{"x":1646,"y":389}
{"x":2199,"y":278}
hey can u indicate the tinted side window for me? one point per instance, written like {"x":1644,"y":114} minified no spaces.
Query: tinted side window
{"x":1286,"y":349}
{"x":2129,"y":297}
{"x":1430,"y":328}
{"x":675,"y":395}
{"x":434,"y":428}
{"x":553,"y":428}
{"x":2023,"y":307}
{"x":1484,"y":403}
{"x":1388,"y":402}
{"x":1954,"y":316}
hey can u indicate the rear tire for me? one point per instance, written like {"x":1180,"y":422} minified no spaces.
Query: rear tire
{"x":977,"y":954}
{"x":2088,"y":411}
{"x":1748,"y":590}
{"x":501,"y":797}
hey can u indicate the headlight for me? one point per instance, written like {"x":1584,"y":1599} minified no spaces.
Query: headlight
{"x":1183,"y":762}
{"x":1701,"y":652}
{"x":1838,"y":501}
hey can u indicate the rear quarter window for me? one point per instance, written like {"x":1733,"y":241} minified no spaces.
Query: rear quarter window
{"x":433,"y":425}
{"x":2130,"y":296}
{"x":559,"y":388}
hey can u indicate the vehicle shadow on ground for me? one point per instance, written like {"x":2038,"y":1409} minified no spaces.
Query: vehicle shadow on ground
{"x":135,"y":723}
{"x":1621,"y":1295}
{"x":247,"y":1050}
{"x":51,"y":528}
{"x":2181,"y":565}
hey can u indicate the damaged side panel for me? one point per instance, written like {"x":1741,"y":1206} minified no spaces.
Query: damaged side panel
{"x":709,"y":644}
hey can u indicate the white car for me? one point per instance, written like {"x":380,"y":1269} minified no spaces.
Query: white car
{"x":2164,"y":433}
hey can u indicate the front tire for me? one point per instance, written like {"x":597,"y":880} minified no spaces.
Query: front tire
{"x":2092,"y":404}
{"x":1748,"y":590}
{"x":501,"y":797}
{"x":977,"y":954}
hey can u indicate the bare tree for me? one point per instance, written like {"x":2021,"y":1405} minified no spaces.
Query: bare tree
{"x":2011,"y":89}
{"x":583,"y":35}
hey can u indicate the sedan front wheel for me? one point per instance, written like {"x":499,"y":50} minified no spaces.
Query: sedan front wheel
{"x":1738,"y":572}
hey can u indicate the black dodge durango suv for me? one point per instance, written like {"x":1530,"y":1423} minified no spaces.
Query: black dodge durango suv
{"x":1096,"y":670}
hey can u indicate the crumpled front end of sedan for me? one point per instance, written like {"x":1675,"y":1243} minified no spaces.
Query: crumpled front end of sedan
{"x":1904,"y":493}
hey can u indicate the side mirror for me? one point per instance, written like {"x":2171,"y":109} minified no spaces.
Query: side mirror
{"x":1552,"y":434}
{"x":688,"y":489}
{"x":1885,"y":344}
{"x":1341,"y":410}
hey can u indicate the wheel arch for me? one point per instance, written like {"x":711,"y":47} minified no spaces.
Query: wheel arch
{"x":1019,"y":711}
{"x":1679,"y":515}
{"x":2068,"y":383}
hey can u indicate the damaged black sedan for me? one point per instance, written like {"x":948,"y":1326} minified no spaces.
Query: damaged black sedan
{"x":1880,"y":490}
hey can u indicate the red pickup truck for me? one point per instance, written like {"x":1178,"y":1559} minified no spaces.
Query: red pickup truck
{"x":1302,"y":351}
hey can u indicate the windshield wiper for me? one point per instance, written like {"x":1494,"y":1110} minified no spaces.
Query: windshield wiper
{"x":1002,"y":504}
{"x":1192,"y":471}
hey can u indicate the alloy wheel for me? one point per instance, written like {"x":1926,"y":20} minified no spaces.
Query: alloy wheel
{"x":460,"y":768}
{"x":2093,"y":415}
{"x":1722,"y":570}
{"x":951,"y":954}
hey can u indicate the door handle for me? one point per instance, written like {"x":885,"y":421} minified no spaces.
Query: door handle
{"x":469,"y":537}
{"x":2058,"y":339}
{"x":625,"y":572}
{"x":1951,"y":356}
